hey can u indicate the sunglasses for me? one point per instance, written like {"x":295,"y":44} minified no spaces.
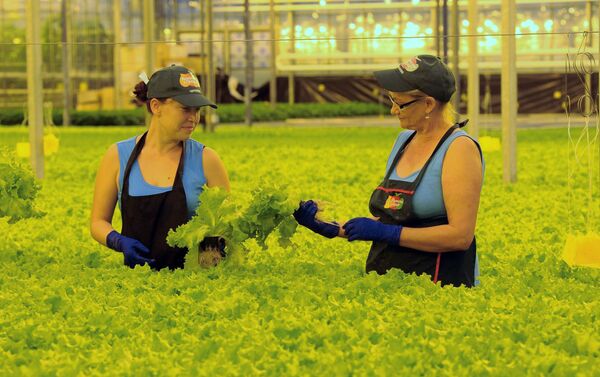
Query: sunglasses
{"x":402,"y":106}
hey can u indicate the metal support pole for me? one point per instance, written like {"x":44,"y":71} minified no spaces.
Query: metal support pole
{"x":249,"y":64}
{"x":273,"y":80}
{"x":291,"y":88}
{"x":149,"y":35}
{"x":117,"y":53}
{"x":435,"y":25}
{"x":509,"y":92}
{"x":203,"y":77}
{"x":455,"y":52}
{"x":210,"y":66}
{"x":473,"y":71}
{"x":34,"y":88}
{"x":148,"y":39}
{"x":66,"y":62}
{"x":445,"y":30}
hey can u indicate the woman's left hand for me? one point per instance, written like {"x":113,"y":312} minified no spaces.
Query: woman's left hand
{"x":365,"y":229}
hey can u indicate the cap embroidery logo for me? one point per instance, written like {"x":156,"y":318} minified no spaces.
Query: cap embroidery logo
{"x":409,"y":66}
{"x":188,"y":79}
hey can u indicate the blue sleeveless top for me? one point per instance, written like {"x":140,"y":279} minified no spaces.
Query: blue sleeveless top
{"x":193,"y":173}
{"x":428,"y":200}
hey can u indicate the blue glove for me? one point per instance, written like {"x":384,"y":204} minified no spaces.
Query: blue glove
{"x":305,"y":216}
{"x":134,"y":252}
{"x":362,"y":228}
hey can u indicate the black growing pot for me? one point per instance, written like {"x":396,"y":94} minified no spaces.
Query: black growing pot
{"x":217,"y":243}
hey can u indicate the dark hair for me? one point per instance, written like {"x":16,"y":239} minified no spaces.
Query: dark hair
{"x":141,"y":95}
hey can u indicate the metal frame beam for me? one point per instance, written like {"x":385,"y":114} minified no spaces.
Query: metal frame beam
{"x":509,"y":92}
{"x":35,"y":113}
{"x":473,"y":71}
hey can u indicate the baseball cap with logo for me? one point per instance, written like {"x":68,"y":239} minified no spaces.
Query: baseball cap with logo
{"x":426,"y":73}
{"x":178,"y":83}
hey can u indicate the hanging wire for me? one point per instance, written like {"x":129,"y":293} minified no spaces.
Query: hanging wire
{"x":324,"y":39}
{"x":582,"y":64}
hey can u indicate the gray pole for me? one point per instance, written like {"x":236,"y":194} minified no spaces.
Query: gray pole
{"x":210,"y":66}
{"x":117,"y":53}
{"x":273,"y":81}
{"x":34,"y":88}
{"x":509,"y":92}
{"x":473,"y":79}
{"x":66,"y":62}
{"x":249,"y":64}
{"x":148,"y":39}
{"x":292,"y":49}
{"x":149,"y":35}
{"x":445,"y":30}
{"x":435,"y":16}
{"x":455,"y":52}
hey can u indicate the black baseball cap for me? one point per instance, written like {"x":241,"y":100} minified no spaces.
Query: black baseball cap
{"x":426,"y":73}
{"x":178,"y":83}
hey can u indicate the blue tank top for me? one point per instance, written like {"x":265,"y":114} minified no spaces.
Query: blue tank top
{"x":428,"y":200}
{"x":193,"y":173}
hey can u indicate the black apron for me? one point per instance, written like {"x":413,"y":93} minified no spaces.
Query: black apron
{"x":149,"y":218}
{"x":392,"y":202}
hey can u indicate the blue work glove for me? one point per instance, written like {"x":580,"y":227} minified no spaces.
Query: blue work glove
{"x":134,"y":252}
{"x":365,"y":229}
{"x":305,"y":216}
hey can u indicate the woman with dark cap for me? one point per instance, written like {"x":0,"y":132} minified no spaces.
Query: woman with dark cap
{"x":156,"y":177}
{"x":425,"y":209}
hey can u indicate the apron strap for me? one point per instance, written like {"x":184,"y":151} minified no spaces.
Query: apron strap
{"x":397,"y":156}
{"x":134,"y":155}
{"x":438,"y":146}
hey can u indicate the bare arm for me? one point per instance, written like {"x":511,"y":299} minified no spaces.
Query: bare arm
{"x":214,"y":169}
{"x":105,"y":195}
{"x":461,"y":185}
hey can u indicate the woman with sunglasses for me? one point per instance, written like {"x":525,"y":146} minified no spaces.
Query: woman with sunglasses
{"x":425,"y":209}
{"x":156,"y":177}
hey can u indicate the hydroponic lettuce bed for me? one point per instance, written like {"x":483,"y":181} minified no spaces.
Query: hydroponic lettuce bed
{"x":69,"y":307}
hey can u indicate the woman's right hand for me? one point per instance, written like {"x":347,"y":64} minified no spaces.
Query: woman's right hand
{"x":134,"y":252}
{"x":305,"y":216}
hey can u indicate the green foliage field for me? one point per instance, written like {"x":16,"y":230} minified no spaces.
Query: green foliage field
{"x":69,"y":307}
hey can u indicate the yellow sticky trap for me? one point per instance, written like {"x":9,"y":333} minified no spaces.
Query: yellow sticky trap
{"x":23,"y":150}
{"x":582,"y":251}
{"x":51,"y":144}
{"x":489,"y":144}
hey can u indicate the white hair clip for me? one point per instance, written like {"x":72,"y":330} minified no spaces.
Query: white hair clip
{"x":144,"y":77}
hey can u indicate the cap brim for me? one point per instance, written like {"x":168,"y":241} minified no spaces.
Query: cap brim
{"x":393,"y":80}
{"x":194,"y":100}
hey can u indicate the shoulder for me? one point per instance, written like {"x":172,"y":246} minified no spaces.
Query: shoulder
{"x":210,"y":155}
{"x":462,"y":144}
{"x":128,"y":142}
{"x":194,"y":144}
{"x":110,"y":160}
{"x":125,"y":147}
{"x":404,"y":135}
{"x":463,"y":153}
{"x":401,"y":139}
{"x":112,"y":153}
